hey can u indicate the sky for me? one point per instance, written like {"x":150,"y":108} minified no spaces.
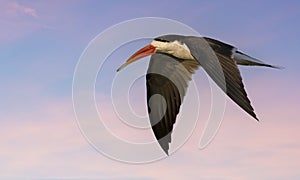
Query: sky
{"x":40,"y":46}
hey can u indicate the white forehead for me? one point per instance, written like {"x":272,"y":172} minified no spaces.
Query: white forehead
{"x":174,"y":48}
{"x":167,"y":45}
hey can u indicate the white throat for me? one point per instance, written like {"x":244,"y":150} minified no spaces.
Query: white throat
{"x":175,"y":48}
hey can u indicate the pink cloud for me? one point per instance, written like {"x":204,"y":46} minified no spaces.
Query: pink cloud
{"x":12,"y":9}
{"x":16,"y":20}
{"x":47,"y":143}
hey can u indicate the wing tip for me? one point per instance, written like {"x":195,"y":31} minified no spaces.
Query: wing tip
{"x":164,"y":143}
{"x":167,"y":152}
{"x":254,"y":116}
{"x":278,"y":67}
{"x":164,"y":146}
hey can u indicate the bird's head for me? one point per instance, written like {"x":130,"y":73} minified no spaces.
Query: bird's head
{"x":169,"y":44}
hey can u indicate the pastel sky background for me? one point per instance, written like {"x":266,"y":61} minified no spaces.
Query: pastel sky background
{"x":41,"y":42}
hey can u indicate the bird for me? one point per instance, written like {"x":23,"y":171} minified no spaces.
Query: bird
{"x":174,"y":59}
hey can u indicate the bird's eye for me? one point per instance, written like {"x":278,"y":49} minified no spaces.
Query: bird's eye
{"x":161,"y":40}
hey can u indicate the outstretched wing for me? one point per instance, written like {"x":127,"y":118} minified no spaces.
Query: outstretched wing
{"x":167,"y":80}
{"x":218,"y":62}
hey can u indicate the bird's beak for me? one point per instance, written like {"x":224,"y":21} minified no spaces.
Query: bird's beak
{"x":145,"y":51}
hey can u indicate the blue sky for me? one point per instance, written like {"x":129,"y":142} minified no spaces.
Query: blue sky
{"x":41,"y":42}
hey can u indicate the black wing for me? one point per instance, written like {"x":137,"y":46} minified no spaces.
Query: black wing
{"x":167,"y":80}
{"x":219,"y":64}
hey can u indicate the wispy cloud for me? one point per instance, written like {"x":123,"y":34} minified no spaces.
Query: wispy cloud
{"x":16,"y":20}
{"x":47,"y":143}
{"x":13,"y":9}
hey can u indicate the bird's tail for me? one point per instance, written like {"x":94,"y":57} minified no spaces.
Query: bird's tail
{"x":245,"y":60}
